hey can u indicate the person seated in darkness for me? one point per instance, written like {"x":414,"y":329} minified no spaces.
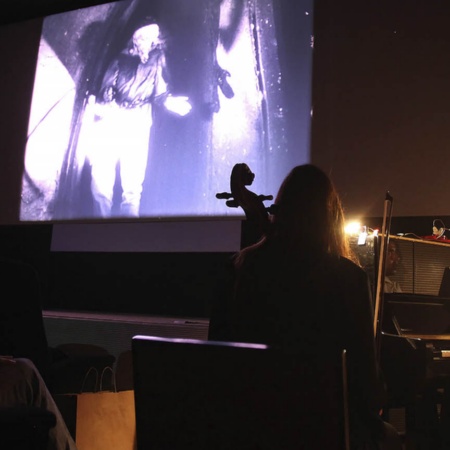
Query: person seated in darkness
{"x":302,"y":289}
{"x":22,"y":385}
{"x":393,"y":259}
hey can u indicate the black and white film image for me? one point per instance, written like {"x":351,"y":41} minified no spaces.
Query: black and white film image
{"x":141,"y":109}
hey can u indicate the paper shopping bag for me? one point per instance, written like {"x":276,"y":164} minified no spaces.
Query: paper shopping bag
{"x":106,"y":420}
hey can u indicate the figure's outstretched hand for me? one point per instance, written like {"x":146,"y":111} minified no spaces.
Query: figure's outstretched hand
{"x":179,"y":105}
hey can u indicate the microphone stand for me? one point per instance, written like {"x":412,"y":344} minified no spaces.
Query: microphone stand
{"x":379,"y":296}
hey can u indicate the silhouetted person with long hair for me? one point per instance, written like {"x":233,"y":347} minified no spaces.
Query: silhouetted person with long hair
{"x":301,"y":288}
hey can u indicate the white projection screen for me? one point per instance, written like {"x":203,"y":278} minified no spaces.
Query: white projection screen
{"x":231,"y":60}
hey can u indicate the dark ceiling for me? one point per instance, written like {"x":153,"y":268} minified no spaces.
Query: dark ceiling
{"x":19,"y":10}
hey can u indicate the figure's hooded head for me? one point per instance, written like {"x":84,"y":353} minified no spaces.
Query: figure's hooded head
{"x":145,"y":39}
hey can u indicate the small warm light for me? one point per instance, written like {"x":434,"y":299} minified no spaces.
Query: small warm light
{"x":361,"y":232}
{"x":353,"y":227}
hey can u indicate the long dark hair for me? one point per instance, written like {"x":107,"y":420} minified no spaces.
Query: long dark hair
{"x":308,"y":214}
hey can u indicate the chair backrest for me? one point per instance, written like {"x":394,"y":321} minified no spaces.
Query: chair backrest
{"x":195,"y":394}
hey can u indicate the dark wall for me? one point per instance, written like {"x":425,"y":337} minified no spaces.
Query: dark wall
{"x":29,"y":9}
{"x":168,"y":284}
{"x":381,"y":103}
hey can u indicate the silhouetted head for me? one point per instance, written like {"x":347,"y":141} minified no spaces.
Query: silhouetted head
{"x":393,"y":258}
{"x":308,"y":212}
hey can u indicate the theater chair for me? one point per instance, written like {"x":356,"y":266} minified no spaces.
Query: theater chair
{"x":203,"y":395}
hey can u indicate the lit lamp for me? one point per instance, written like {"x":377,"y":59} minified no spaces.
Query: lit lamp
{"x":355,"y":228}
